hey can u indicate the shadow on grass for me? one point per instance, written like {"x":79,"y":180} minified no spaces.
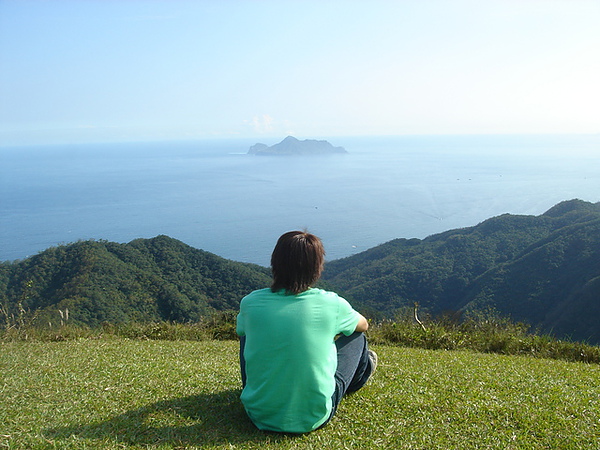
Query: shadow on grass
{"x":198,"y":420}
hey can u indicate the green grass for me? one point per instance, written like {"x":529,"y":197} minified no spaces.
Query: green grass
{"x":132,"y":394}
{"x":483,"y":336}
{"x":486,"y":334}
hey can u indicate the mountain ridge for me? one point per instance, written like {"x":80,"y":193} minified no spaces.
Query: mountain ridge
{"x":528,"y":268}
{"x":543,"y":270}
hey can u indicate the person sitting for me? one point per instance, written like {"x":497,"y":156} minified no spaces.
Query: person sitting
{"x":302,"y":349}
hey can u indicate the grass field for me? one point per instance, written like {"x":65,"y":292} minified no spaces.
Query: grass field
{"x":129,"y":394}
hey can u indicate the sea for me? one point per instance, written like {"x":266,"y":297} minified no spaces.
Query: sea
{"x":213,"y":196}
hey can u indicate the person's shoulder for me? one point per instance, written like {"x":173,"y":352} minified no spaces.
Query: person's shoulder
{"x":331,"y":297}
{"x":324,"y":294}
{"x":258,"y":293}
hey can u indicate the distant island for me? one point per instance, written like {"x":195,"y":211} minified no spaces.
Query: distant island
{"x":292,"y":146}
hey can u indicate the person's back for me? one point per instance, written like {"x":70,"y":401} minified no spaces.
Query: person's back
{"x":291,"y":357}
{"x":294,"y":372}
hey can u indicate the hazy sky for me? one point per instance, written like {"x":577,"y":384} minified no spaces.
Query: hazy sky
{"x":109,"y":70}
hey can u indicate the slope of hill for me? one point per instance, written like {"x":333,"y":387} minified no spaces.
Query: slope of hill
{"x":555,"y":284}
{"x":543,"y":270}
{"x":145,"y":280}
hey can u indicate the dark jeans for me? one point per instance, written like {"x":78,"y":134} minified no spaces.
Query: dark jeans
{"x":354,"y":367}
{"x":353,"y":370}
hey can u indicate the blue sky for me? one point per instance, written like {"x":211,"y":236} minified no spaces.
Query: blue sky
{"x":122,"y":70}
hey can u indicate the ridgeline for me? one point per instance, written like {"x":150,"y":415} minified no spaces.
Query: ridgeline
{"x":541,"y":270}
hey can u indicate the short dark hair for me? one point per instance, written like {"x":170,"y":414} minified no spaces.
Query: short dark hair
{"x":297,"y":262}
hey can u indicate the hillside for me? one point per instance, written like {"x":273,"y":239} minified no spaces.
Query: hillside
{"x":543,"y":270}
{"x":144,"y":280}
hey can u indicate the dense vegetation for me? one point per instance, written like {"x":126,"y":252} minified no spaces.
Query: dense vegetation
{"x":483,"y":336}
{"x":542,"y":270}
{"x":147,"y":280}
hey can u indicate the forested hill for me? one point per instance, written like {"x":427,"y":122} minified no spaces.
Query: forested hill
{"x":145,"y":280}
{"x":543,"y":270}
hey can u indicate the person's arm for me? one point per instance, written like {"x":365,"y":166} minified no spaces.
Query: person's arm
{"x":362,"y":325}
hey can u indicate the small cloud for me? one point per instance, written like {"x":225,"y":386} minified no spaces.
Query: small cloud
{"x":262,"y":124}
{"x":265,"y":124}
{"x":289,"y":128}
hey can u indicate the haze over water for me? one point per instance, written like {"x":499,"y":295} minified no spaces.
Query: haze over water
{"x":213,"y":196}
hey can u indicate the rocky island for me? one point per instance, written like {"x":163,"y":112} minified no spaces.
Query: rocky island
{"x":292,"y":146}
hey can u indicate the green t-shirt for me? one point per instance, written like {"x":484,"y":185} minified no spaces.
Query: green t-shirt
{"x":291,"y":356}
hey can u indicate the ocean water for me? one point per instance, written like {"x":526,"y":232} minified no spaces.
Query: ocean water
{"x":211,"y":195}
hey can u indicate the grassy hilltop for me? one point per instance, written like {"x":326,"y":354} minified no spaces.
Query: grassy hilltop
{"x":129,"y":394}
